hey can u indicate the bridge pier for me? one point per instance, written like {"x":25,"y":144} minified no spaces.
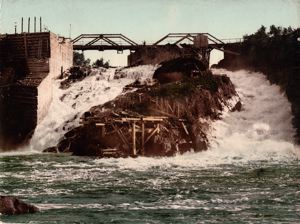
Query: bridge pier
{"x":157,"y":54}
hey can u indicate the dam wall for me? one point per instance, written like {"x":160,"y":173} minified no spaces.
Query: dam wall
{"x":29,"y":62}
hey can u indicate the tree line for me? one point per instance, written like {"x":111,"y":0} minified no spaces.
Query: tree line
{"x":276,"y":47}
{"x":80,"y":60}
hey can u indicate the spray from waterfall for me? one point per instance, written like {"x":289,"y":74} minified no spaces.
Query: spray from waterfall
{"x":261,"y":131}
{"x":68,"y":105}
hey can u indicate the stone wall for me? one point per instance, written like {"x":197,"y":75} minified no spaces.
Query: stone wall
{"x":29,"y":62}
{"x":157,"y":54}
{"x":61,"y":58}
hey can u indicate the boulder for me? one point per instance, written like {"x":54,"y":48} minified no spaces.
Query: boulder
{"x":177,"y":69}
{"x":13,"y":206}
{"x":238,"y":107}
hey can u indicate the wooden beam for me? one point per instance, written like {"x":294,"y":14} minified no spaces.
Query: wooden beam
{"x":120,"y":135}
{"x":152,"y":134}
{"x":100,"y":124}
{"x":133,"y":139}
{"x":184,"y":128}
{"x":28,"y":24}
{"x":143,"y":139}
{"x":103,"y":131}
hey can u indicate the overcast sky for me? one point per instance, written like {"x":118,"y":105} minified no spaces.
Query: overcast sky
{"x":151,"y":19}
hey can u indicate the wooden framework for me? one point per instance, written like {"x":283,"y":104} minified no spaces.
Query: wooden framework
{"x":137,"y":124}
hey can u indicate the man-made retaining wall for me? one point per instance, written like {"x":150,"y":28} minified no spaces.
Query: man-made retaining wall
{"x":29,"y":62}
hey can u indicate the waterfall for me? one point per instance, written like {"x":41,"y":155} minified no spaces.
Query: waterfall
{"x":68,"y":105}
{"x":261,"y":131}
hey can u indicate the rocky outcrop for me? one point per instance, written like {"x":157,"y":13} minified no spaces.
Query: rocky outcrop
{"x":13,"y":206}
{"x":179,"y":69}
{"x":169,"y":117}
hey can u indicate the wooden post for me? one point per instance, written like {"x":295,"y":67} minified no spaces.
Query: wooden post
{"x":35,"y":24}
{"x":143,"y":138}
{"x":40,"y":24}
{"x":22,"y":25}
{"x":103,"y":131}
{"x":28,"y":24}
{"x":133,"y":139}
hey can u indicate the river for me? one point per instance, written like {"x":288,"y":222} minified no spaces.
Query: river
{"x":250,"y":174}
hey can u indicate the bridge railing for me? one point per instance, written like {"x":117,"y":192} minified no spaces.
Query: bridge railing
{"x":232,"y":40}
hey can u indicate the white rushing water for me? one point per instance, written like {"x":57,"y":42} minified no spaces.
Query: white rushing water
{"x":261,"y":131}
{"x":68,"y":105}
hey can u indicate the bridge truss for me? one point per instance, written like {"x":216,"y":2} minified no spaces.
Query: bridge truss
{"x":120,"y":42}
{"x":103,"y":42}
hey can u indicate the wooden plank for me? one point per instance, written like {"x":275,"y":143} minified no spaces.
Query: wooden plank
{"x":171,"y":109}
{"x":133,"y":139}
{"x":184,"y":128}
{"x":143,"y":138}
{"x":100,"y":124}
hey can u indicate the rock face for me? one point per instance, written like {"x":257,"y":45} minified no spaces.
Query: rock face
{"x":13,"y":206}
{"x":178,"y":69}
{"x":169,"y":117}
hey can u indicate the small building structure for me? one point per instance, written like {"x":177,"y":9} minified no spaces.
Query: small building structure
{"x":29,"y":62}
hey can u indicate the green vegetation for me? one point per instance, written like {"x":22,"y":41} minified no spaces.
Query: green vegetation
{"x":79,"y":59}
{"x":276,"y":53}
{"x":187,"y":86}
{"x":277,"y":48}
{"x":100,"y":63}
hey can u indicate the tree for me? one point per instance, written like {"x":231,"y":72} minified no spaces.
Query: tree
{"x":275,"y":31}
{"x":79,"y":59}
{"x":261,"y":33}
{"x":100,"y":63}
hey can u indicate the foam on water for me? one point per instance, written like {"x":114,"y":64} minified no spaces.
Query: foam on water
{"x":261,"y":131}
{"x":68,"y":105}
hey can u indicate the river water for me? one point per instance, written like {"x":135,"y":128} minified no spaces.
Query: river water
{"x":250,"y":174}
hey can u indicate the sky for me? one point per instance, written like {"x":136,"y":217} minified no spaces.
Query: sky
{"x":150,"y":20}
